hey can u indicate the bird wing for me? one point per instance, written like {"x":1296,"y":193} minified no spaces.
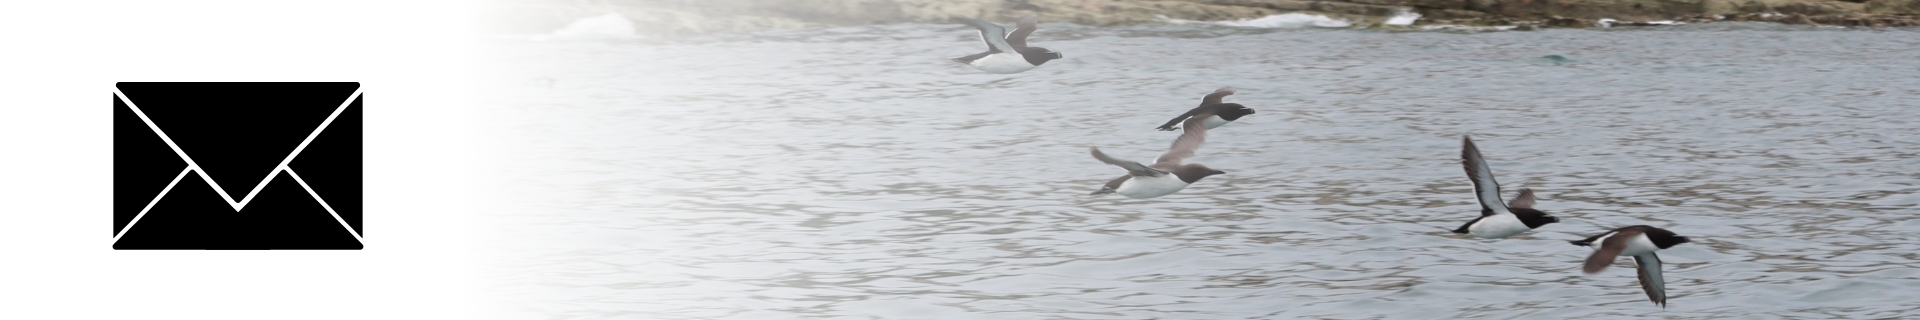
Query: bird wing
{"x":1484,"y":187}
{"x":993,"y":34}
{"x":1213,"y":98}
{"x":1650,"y":280}
{"x":1609,"y":249}
{"x":1018,"y":39}
{"x":1524,"y":200}
{"x":1194,"y":134}
{"x":1133,"y":168}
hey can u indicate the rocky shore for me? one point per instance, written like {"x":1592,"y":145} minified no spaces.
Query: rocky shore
{"x":692,"y":17}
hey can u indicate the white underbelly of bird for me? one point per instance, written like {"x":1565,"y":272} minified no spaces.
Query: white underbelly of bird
{"x":1497,"y":226}
{"x":1215,"y":122}
{"x":1003,"y":62}
{"x":1140,"y":187}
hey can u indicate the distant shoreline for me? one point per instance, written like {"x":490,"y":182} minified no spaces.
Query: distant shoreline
{"x":666,"y":18}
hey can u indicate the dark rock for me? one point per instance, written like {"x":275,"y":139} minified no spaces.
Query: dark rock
{"x":1800,"y":19}
{"x":1563,"y":22}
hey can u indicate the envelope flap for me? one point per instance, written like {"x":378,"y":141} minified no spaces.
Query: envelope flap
{"x":237,"y":132}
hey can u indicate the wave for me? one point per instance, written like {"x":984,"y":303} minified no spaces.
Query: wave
{"x":1455,"y":27}
{"x":1403,"y":17}
{"x":1278,"y":21}
{"x":1609,"y":23}
{"x":1289,"y":20}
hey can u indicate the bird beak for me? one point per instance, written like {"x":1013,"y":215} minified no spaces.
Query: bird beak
{"x":1057,"y":55}
{"x":1217,"y":172}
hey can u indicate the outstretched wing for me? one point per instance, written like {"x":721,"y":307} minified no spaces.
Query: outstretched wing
{"x":1194,"y":134}
{"x":1484,"y":188}
{"x":1133,"y":168}
{"x":1650,"y":279}
{"x":1214,"y":98}
{"x":991,"y":33}
{"x":1524,"y":200}
{"x":1608,"y":250}
{"x":1018,"y":39}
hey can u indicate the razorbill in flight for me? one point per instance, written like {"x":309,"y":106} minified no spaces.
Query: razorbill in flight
{"x":1497,"y":220}
{"x":1638,"y":242}
{"x":1007,"y":52}
{"x":1166,"y":175}
{"x":1216,"y":113}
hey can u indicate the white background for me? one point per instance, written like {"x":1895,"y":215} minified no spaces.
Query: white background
{"x":59,"y":61}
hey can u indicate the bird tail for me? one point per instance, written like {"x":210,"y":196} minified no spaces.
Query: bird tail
{"x":1102,"y":191}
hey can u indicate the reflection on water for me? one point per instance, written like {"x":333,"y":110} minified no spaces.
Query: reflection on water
{"x":855,"y":172}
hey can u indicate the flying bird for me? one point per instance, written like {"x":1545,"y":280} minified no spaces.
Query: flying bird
{"x":1497,"y":220}
{"x":1167,"y":175}
{"x":1216,"y":113}
{"x":1638,"y":242}
{"x":1007,"y":52}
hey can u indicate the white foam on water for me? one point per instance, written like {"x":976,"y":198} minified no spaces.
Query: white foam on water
{"x":1455,"y":27}
{"x":1287,"y":21}
{"x":1403,"y":17}
{"x":611,"y":25}
{"x":1605,"y":22}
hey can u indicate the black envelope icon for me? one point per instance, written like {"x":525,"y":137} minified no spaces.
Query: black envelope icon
{"x":237,"y":165}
